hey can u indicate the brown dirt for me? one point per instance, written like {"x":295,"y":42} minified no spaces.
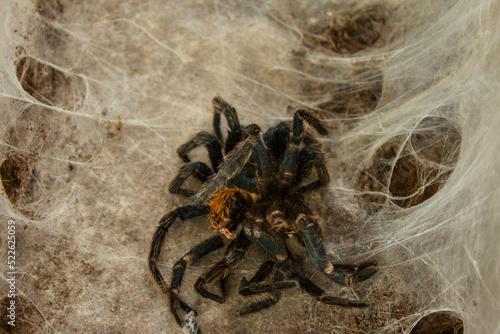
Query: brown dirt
{"x":439,"y":323}
{"x":349,"y":32}
{"x":17,"y":173}
{"x":421,"y":168}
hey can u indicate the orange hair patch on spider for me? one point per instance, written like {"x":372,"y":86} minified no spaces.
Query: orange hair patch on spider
{"x":222,"y":209}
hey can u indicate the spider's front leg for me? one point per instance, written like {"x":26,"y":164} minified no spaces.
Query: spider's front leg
{"x":317,"y":254}
{"x":255,"y":285}
{"x":197,"y":252}
{"x":264,"y":271}
{"x":280,"y":274}
{"x":183,"y":213}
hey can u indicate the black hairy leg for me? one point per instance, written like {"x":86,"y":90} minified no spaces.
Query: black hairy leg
{"x":235,"y":253}
{"x":255,"y":285}
{"x":183,"y":213}
{"x":311,"y":157}
{"x":200,"y":250}
{"x":320,"y":295}
{"x":209,"y":141}
{"x":213,"y":145}
{"x":281,"y":271}
{"x":357,"y":273}
{"x":235,"y":134}
{"x":198,"y":169}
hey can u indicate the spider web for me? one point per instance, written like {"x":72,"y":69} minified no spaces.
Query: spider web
{"x":96,"y":96}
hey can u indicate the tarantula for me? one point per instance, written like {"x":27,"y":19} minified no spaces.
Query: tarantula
{"x":258,"y":185}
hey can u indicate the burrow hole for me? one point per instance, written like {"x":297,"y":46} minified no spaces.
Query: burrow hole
{"x":49,"y":85}
{"x":414,"y":174}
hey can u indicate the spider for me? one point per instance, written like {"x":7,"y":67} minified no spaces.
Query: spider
{"x":254,"y":195}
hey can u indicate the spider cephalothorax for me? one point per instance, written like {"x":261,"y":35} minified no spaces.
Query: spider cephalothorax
{"x":255,"y":194}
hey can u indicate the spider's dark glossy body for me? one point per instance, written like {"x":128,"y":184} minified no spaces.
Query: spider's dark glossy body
{"x":255,"y":194}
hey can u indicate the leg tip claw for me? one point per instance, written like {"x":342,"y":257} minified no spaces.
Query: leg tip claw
{"x":365,"y":271}
{"x":190,"y":324}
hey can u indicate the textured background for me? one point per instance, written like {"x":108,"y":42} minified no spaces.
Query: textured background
{"x":95,"y":97}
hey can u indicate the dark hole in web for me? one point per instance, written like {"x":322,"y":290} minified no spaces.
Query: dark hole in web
{"x":439,"y":323}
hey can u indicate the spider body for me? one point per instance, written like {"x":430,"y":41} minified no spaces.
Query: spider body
{"x":254,"y":195}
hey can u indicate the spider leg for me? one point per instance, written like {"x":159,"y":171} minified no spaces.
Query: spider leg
{"x":274,"y":247}
{"x":253,"y":286}
{"x":292,"y":156}
{"x":310,"y":117}
{"x":199,"y":169}
{"x":360,"y":272}
{"x":198,"y":251}
{"x":264,"y":271}
{"x":254,"y":289}
{"x":312,"y":240}
{"x":210,"y":142}
{"x":319,"y":294}
{"x":183,"y":213}
{"x":280,"y":273}
{"x":223,"y":279}
{"x":311,"y":156}
{"x":235,"y":132}
{"x":276,"y":139}
{"x":309,"y":139}
{"x":235,"y":253}
{"x":278,"y":136}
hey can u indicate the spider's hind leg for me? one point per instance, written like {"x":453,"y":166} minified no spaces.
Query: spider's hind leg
{"x":359,"y":272}
{"x":273,"y":246}
{"x":264,"y":271}
{"x":309,"y":117}
{"x":197,"y":169}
